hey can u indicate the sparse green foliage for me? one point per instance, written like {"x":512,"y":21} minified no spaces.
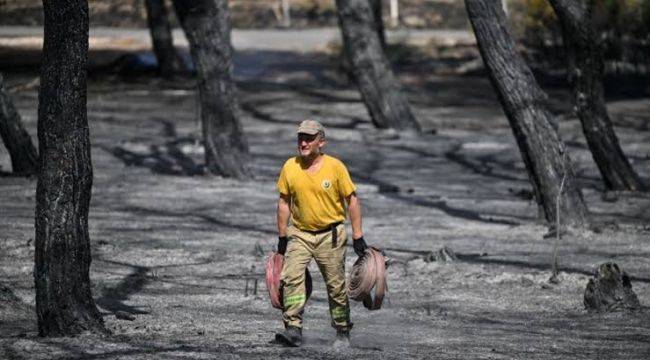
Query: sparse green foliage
{"x":624,"y":25}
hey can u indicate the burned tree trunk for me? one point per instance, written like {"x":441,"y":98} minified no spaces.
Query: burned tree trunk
{"x":64,"y":303}
{"x":161,"y":38}
{"x":207,"y":26}
{"x":380,"y":90}
{"x":523,"y":103}
{"x":581,"y":37}
{"x":24,"y":158}
{"x":379,"y":21}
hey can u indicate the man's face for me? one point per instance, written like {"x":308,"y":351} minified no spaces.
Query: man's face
{"x":310,"y":145}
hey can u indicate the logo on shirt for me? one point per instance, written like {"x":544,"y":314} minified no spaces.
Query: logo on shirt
{"x":326,"y":184}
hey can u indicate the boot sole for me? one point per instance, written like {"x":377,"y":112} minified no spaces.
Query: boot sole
{"x":280,"y":338}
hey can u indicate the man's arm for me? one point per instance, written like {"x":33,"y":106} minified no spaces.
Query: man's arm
{"x":283,"y":214}
{"x":354,"y":210}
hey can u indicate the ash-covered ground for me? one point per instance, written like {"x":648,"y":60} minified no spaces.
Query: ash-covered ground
{"x":176,"y":248}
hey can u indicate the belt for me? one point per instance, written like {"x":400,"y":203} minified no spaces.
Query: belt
{"x":330,"y":227}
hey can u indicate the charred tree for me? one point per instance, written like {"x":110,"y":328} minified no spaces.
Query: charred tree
{"x":64,"y":303}
{"x":24,"y":158}
{"x":586,"y":75}
{"x":379,"y":21}
{"x":207,"y":26}
{"x":379,"y":88}
{"x":522,"y":100}
{"x":161,"y":38}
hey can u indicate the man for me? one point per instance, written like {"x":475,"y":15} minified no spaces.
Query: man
{"x":315,"y":190}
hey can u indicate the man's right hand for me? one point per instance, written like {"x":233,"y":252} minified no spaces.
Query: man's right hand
{"x":282,"y":244}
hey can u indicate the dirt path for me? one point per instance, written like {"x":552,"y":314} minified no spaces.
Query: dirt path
{"x":253,"y":39}
{"x":175,"y":248}
{"x":107,"y":44}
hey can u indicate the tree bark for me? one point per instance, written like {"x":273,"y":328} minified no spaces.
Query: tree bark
{"x":610,"y":289}
{"x":24,"y":158}
{"x":589,"y":95}
{"x":379,"y":21}
{"x":544,"y":154}
{"x":161,"y":38}
{"x":64,"y":303}
{"x":207,"y":26}
{"x":380,"y":90}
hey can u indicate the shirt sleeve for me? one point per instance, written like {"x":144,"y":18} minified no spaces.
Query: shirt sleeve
{"x":283,"y":182}
{"x":346,"y":186}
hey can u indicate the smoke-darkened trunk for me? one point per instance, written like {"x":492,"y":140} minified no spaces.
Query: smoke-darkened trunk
{"x":586,"y":75}
{"x":207,"y":26}
{"x":377,"y":12}
{"x":381,"y":92}
{"x":161,"y":38}
{"x":544,"y":154}
{"x":64,"y":303}
{"x":24,"y":158}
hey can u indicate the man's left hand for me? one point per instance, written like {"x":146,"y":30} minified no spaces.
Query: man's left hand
{"x":359,"y":245}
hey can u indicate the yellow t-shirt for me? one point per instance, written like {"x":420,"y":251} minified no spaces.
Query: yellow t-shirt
{"x":317,"y":200}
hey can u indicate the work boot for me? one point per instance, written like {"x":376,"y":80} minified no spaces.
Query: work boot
{"x":342,"y":339}
{"x":291,"y":336}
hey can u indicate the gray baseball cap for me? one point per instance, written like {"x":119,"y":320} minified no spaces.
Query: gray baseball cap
{"x":311,"y":127}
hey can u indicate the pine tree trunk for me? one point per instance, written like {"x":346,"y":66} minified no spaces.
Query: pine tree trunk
{"x":161,"y":38}
{"x":64,"y":303}
{"x":379,"y":21}
{"x":589,"y":95}
{"x":544,"y":154}
{"x":207,"y":26}
{"x":24,"y":158}
{"x":379,"y":88}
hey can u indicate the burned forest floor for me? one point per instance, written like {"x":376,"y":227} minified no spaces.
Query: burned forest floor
{"x":183,"y":253}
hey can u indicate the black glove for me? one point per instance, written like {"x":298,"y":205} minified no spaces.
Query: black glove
{"x":359,"y":246}
{"x":282,"y":244}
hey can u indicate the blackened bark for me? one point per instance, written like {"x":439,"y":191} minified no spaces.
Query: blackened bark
{"x":207,"y":26}
{"x":610,"y":289}
{"x":522,"y":100}
{"x":161,"y":38}
{"x":379,"y":88}
{"x":24,"y":158}
{"x":589,"y":95}
{"x":379,"y":21}
{"x":64,"y":303}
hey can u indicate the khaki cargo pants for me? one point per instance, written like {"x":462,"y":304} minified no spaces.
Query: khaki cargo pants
{"x":330,"y":257}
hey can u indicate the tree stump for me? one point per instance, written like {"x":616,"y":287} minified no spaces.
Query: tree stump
{"x":610,"y":290}
{"x":6,"y":295}
{"x":445,"y":254}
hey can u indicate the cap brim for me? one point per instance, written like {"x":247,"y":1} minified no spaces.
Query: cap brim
{"x":307,"y":131}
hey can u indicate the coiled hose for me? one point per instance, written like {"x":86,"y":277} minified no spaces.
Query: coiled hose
{"x":273,"y":276}
{"x":368,"y":279}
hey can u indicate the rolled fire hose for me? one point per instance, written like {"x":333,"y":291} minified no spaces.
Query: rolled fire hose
{"x":273,"y":274}
{"x":368,"y":279}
